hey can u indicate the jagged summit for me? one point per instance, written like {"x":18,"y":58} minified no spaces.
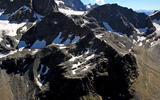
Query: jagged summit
{"x":122,"y":19}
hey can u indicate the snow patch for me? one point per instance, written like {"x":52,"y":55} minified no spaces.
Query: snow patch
{"x":88,"y":6}
{"x":156,"y":23}
{"x":68,"y":40}
{"x":141,"y":30}
{"x":134,"y":41}
{"x":38,"y":16}
{"x":34,"y":51}
{"x":38,"y":44}
{"x":10,"y":29}
{"x":58,"y":40}
{"x":62,"y":47}
{"x":75,"y":39}
{"x":140,"y":44}
{"x":22,"y":44}
{"x":58,"y":2}
{"x":122,"y":44}
{"x":3,"y":16}
{"x":75,"y":66}
{"x":71,"y":12}
{"x":84,"y":22}
{"x":1,"y":39}
{"x":8,"y":45}
{"x":155,"y":43}
{"x":99,"y":36}
{"x":46,"y":71}
{"x":5,"y":55}
{"x":1,"y":11}
{"x":55,"y":22}
{"x":74,"y":58}
{"x":24,"y":29}
{"x":154,"y":13}
{"x":108,"y":27}
{"x":21,"y":49}
{"x":90,"y":57}
{"x":40,"y":70}
{"x":87,"y":67}
{"x":140,"y":38}
{"x":38,"y":82}
{"x":87,"y":51}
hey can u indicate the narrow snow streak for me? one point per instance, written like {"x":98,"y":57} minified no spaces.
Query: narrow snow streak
{"x":90,"y":57}
{"x":5,"y":55}
{"x":58,"y":2}
{"x":38,"y":44}
{"x":75,"y":39}
{"x":58,"y":39}
{"x":74,"y":58}
{"x":23,"y":7}
{"x":38,"y":82}
{"x":108,"y":27}
{"x":75,"y":66}
{"x":71,"y":12}
{"x":38,"y":16}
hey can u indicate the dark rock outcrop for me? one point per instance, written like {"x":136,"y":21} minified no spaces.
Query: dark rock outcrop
{"x":23,"y":14}
{"x":44,"y":7}
{"x":122,"y":19}
{"x":4,"y":4}
{"x":11,"y":6}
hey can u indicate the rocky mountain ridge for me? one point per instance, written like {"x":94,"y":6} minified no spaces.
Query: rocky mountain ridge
{"x":57,"y":56}
{"x":130,"y":20}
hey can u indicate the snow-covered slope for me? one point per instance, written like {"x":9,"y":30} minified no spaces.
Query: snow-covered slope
{"x":71,"y":12}
{"x":156,"y":23}
{"x":8,"y":28}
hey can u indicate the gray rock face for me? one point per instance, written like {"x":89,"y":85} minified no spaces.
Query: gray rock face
{"x":44,"y":7}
